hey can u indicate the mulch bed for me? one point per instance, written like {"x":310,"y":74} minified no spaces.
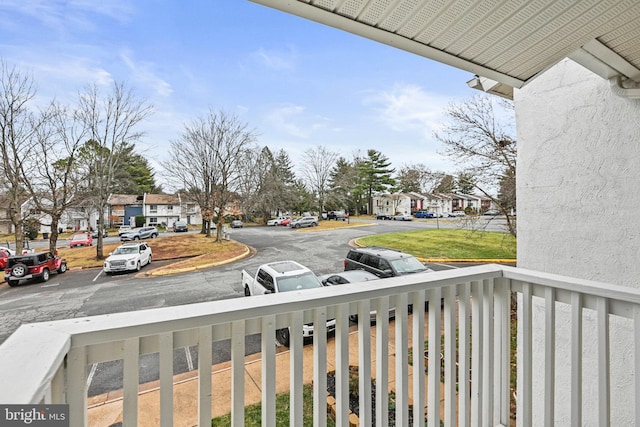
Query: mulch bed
{"x":354,"y":401}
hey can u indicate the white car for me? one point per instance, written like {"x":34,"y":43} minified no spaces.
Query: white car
{"x":124,"y":229}
{"x":277,"y":221}
{"x":403,"y":217}
{"x":128,"y":257}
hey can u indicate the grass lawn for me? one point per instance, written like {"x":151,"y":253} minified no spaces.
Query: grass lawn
{"x":447,"y":244}
{"x":253,"y":413}
{"x":196,"y":249}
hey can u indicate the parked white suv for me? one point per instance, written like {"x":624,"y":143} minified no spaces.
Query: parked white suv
{"x":130,"y":256}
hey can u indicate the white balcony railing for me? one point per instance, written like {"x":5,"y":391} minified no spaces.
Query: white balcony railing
{"x":47,"y":362}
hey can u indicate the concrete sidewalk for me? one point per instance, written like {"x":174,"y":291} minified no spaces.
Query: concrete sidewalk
{"x":106,"y":410}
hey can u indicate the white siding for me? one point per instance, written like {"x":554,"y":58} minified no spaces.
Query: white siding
{"x":578,"y":158}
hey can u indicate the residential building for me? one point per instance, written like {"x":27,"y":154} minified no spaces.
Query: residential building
{"x":162,"y":209}
{"x":75,"y":217}
{"x":123,"y":208}
{"x":190,"y":209}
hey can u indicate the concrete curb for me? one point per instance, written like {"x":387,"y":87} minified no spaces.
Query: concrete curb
{"x":153,"y":273}
{"x":488,"y":261}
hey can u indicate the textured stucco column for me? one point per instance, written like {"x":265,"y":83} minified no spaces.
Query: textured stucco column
{"x":578,"y":214}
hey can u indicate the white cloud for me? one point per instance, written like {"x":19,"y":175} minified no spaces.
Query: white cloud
{"x":142,"y":73}
{"x":407,"y":107}
{"x":277,"y":60}
{"x":294,"y":121}
{"x":64,"y":17}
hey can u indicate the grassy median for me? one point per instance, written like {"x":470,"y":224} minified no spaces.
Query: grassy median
{"x":447,"y":244}
{"x":187,"y":249}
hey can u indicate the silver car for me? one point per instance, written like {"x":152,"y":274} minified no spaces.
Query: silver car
{"x":305,"y":221}
{"x":139,"y":234}
{"x":353,"y":276}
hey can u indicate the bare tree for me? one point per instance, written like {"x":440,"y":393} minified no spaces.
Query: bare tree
{"x":213,"y":171}
{"x":18,"y":125}
{"x":110,"y":121}
{"x":483,"y":141}
{"x":317,"y":166}
{"x":249,"y":180}
{"x":53,"y":176}
{"x":418,"y":178}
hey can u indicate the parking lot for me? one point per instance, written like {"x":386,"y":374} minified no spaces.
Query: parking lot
{"x":90,"y":292}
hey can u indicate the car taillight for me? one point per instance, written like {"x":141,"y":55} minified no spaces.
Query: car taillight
{"x":344,"y":262}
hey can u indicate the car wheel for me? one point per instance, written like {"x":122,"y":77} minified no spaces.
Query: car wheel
{"x":63,"y":268}
{"x":247,"y":293}
{"x":153,"y":236}
{"x":149,"y":262}
{"x":136,"y":238}
{"x":353,"y":318}
{"x":138,"y":266}
{"x":296,"y":226}
{"x":19,"y":270}
{"x":283,"y":337}
{"x":45,"y":275}
{"x":13,"y":282}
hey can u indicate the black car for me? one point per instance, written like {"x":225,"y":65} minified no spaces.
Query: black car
{"x":384,"y":216}
{"x":383,"y":262}
{"x":337,"y":215}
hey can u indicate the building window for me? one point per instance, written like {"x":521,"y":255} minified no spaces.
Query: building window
{"x":153,"y":220}
{"x":170,"y":208}
{"x":153,"y":208}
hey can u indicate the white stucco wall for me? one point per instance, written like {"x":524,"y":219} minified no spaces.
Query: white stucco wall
{"x":578,"y":205}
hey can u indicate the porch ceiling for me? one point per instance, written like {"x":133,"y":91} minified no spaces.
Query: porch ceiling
{"x":507,"y":43}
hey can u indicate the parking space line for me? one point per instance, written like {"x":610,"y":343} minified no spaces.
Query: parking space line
{"x":49,"y":285}
{"x":92,"y":372}
{"x":97,"y":275}
{"x":189,"y":359}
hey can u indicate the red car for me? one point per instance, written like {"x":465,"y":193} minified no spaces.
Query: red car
{"x":4,"y":254}
{"x":285,"y":222}
{"x":84,"y":239}
{"x":37,"y":266}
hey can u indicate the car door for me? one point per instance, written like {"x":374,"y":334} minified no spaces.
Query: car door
{"x":264,"y":283}
{"x":144,"y":254}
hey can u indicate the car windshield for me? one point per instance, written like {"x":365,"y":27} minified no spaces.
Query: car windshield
{"x":126,"y":250}
{"x":407,"y":265}
{"x":301,"y":281}
{"x":79,"y":237}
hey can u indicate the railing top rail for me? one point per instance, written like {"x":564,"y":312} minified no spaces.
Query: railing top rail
{"x":572,"y":284}
{"x":30,"y":357}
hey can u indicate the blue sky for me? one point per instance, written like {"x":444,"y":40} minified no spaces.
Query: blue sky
{"x":299,"y":84}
